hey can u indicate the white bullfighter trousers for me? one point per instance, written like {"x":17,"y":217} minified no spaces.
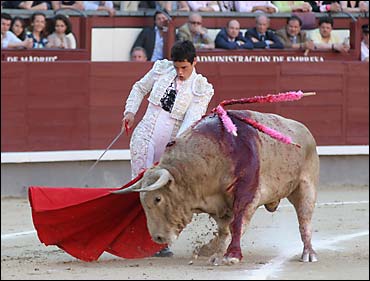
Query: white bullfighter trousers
{"x":150,"y":138}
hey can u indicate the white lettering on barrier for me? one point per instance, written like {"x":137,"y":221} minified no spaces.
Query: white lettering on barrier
{"x":11,"y":59}
{"x":32,"y":58}
{"x":260,"y":59}
{"x":304,"y":59}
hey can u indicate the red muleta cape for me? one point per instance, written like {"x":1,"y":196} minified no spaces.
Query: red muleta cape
{"x":85,"y":222}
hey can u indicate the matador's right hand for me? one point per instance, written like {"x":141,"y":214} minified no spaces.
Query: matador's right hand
{"x":128,"y":121}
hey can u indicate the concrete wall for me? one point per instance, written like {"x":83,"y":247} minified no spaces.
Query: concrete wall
{"x":344,"y":170}
{"x":17,"y":177}
{"x":112,"y":44}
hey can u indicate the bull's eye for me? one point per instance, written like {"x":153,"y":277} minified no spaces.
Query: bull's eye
{"x":157,"y":199}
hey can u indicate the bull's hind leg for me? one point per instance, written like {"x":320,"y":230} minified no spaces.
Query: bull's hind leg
{"x":303,"y":199}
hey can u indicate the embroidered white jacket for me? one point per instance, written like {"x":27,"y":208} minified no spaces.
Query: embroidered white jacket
{"x":192,"y":98}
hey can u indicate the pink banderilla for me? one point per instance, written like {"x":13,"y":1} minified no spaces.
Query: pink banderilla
{"x":289,"y":96}
{"x":228,"y":123}
{"x":231,"y":128}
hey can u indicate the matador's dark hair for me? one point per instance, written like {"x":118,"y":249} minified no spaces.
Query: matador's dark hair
{"x":183,"y":51}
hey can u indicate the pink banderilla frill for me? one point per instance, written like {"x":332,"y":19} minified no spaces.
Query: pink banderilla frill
{"x":288,"y":96}
{"x":271,"y":132}
{"x":228,"y":123}
{"x":231,"y":128}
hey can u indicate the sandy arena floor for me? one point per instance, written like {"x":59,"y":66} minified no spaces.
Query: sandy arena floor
{"x":271,"y":247}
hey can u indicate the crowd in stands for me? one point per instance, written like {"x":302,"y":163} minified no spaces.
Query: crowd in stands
{"x":268,"y":7}
{"x":16,"y":34}
{"x":246,"y":6}
{"x":258,"y":37}
{"x":56,"y":5}
{"x":38,"y":34}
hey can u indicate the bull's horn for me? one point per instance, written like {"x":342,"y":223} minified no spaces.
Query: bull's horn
{"x":164,"y":178}
{"x":134,"y":187}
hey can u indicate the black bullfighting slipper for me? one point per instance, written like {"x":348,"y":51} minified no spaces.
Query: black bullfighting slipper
{"x":164,"y":253}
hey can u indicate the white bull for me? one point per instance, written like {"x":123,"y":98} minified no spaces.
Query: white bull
{"x":208,"y":170}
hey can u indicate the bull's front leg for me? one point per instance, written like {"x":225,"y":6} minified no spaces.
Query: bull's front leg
{"x":216,"y":248}
{"x":233,"y":253}
{"x":222,"y":240}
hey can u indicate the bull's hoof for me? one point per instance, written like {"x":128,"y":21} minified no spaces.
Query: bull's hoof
{"x":230,"y":260}
{"x":309,"y":256}
{"x":215,"y":259}
{"x":195,"y":256}
{"x":206,"y":250}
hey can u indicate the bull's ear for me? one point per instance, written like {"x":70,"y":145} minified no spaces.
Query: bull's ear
{"x":135,"y":187}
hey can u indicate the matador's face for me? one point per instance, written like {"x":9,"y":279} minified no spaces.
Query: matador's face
{"x":184,"y":69}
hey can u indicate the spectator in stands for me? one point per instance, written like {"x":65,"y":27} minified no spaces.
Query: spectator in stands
{"x":8,"y":39}
{"x":261,"y":36}
{"x":30,"y":5}
{"x":226,"y":6}
{"x":325,"y":6}
{"x":204,"y":6}
{"x":174,"y":6}
{"x":151,"y":5}
{"x":181,"y":6}
{"x":354,"y":6}
{"x":61,"y":36}
{"x":18,"y":27}
{"x":151,"y":38}
{"x":178,"y":98}
{"x":365,"y":43}
{"x":231,"y":38}
{"x":78,"y":5}
{"x":37,"y":30}
{"x":324,"y":39}
{"x":164,"y":5}
{"x":292,"y":6}
{"x":138,"y":54}
{"x":10,"y":4}
{"x":195,"y":32}
{"x":100,"y":6}
{"x":129,"y":6}
{"x":293,"y":37}
{"x":255,"y":7}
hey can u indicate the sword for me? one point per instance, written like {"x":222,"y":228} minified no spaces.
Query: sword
{"x":127,"y":129}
